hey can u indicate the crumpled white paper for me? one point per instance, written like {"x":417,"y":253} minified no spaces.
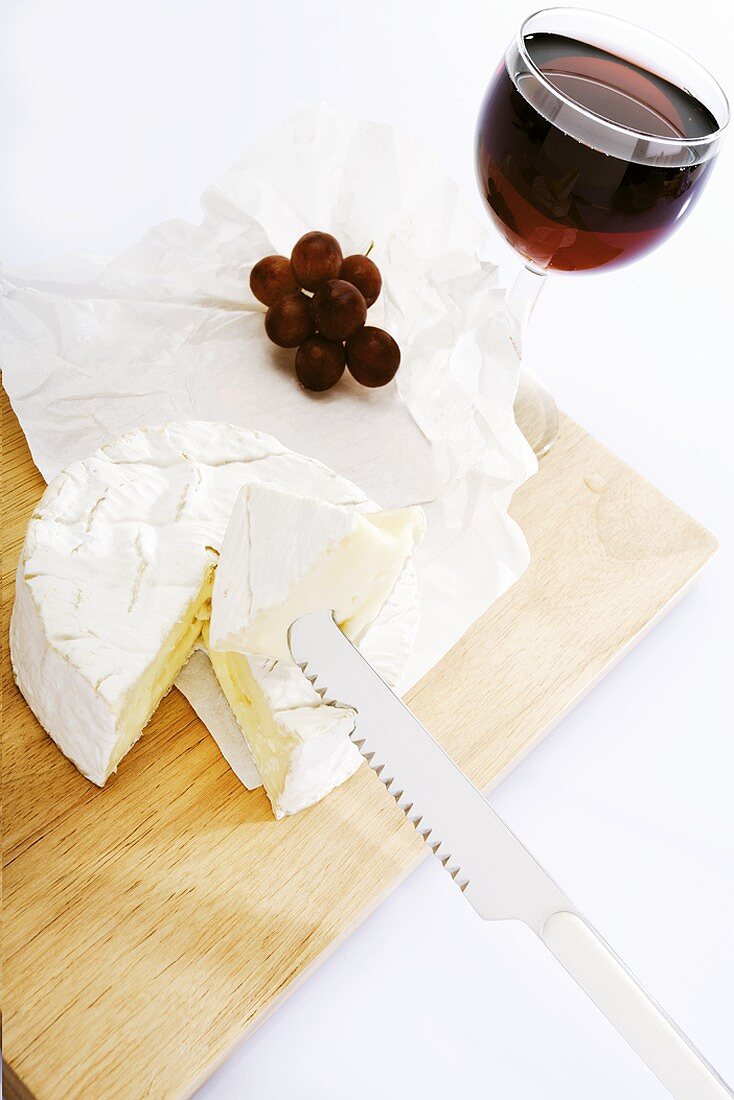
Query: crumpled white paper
{"x":169,"y":330}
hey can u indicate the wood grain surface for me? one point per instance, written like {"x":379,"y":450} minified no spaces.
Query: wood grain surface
{"x":150,"y":926}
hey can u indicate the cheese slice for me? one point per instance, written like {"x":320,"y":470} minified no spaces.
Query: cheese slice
{"x":114,"y":581}
{"x":286,"y":554}
{"x":300,"y":745}
{"x":305,"y":767}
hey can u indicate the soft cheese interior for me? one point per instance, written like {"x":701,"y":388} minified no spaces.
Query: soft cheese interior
{"x":284,"y":555}
{"x":157,"y":680}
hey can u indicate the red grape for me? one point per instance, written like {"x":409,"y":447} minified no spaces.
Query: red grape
{"x":315,"y":258}
{"x":373,"y":357}
{"x":271,"y":278}
{"x":361,"y":272}
{"x":338,"y":309}
{"x":319,"y":363}
{"x":289,"y":322}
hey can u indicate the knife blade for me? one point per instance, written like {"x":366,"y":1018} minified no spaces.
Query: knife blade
{"x":491,"y":866}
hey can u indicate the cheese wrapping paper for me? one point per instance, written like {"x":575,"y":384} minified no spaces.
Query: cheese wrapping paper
{"x":169,"y":330}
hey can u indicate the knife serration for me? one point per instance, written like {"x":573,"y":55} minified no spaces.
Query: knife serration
{"x":490,"y":865}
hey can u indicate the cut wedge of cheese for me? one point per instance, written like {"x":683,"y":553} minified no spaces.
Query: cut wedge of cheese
{"x":323,"y":756}
{"x":286,"y":554}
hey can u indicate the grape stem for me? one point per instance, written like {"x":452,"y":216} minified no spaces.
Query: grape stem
{"x":369,"y":248}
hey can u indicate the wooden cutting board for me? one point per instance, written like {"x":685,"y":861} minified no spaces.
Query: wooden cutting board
{"x":149,"y":927}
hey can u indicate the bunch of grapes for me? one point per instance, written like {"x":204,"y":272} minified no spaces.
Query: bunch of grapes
{"x":317,"y":302}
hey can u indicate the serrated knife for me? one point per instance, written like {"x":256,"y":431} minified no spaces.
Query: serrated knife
{"x":496,"y":873}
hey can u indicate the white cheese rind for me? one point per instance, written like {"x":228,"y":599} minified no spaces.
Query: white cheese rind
{"x":323,"y":757}
{"x":65,"y":704}
{"x":388,"y":641}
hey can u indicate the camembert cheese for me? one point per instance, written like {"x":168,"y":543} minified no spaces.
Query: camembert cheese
{"x":114,"y":585}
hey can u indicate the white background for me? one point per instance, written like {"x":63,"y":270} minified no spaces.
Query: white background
{"x":116,"y":116}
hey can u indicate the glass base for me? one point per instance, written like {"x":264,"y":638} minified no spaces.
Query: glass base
{"x":536,"y":413}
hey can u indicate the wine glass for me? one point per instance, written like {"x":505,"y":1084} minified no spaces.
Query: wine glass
{"x":594,"y":141}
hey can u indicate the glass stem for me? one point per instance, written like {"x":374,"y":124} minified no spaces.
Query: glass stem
{"x":524,"y":293}
{"x":535,"y":410}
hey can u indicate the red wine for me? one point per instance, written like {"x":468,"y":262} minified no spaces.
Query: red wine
{"x":558,"y":197}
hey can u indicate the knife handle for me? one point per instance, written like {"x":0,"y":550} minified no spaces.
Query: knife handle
{"x":649,"y":1031}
